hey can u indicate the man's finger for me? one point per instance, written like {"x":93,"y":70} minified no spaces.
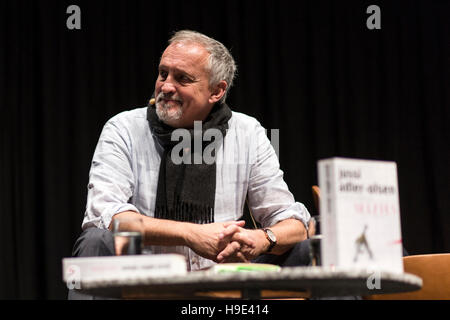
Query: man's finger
{"x":244,"y":239}
{"x":234,"y":233}
{"x":231,"y":249}
{"x":239,"y":223}
{"x":238,"y":257}
{"x":229,"y":231}
{"x":241,"y":257}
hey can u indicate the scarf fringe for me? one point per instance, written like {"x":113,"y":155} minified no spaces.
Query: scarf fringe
{"x":186,"y":211}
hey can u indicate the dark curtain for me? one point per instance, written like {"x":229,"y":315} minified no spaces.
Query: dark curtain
{"x":311,"y":69}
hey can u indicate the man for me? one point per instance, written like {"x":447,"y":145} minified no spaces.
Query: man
{"x":191,"y":207}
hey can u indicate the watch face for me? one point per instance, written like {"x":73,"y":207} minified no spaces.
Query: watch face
{"x":271,"y":235}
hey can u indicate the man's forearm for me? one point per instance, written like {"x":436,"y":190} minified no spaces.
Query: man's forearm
{"x":288,"y":233}
{"x":156,"y":231}
{"x":201,"y":238}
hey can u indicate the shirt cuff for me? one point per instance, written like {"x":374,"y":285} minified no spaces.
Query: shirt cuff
{"x":103,"y":220}
{"x":296,"y":211}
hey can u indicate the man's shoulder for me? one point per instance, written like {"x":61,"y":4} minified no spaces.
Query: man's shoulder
{"x":242,"y":120}
{"x":132,"y":123}
{"x":130,"y":116}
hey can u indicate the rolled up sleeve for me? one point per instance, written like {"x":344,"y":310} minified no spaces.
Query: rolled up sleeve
{"x":268,"y":195}
{"x":111,"y":180}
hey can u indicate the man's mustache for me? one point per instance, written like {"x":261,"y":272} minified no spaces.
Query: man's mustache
{"x":164,"y":96}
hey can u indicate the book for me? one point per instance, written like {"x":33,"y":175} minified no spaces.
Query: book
{"x":360,"y":214}
{"x":83,"y":271}
{"x":244,"y":267}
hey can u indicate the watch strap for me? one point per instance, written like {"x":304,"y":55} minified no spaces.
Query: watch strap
{"x":272,"y":243}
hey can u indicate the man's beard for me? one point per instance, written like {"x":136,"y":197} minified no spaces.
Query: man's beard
{"x":168,"y":112}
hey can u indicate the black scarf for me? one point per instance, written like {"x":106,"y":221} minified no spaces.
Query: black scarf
{"x":186,"y":192}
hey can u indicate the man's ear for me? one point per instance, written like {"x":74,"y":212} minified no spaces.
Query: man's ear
{"x":218,"y":91}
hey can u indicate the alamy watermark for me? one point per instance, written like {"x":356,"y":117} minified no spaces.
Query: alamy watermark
{"x":374,"y":20}
{"x":373,"y":282}
{"x":74,"y":20}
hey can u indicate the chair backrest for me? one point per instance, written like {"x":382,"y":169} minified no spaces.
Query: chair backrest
{"x":316,"y":197}
{"x":312,"y":223}
{"x":434,"y":269}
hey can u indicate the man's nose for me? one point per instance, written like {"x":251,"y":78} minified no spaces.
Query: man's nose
{"x":168,"y":87}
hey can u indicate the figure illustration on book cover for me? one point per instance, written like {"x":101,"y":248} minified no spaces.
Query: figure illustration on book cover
{"x":361,"y":243}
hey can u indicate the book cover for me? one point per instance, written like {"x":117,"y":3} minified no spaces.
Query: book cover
{"x":81,"y":271}
{"x":360,"y":214}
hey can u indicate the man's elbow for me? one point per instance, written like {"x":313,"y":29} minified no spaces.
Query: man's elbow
{"x":303,"y":232}
{"x":298,"y":230}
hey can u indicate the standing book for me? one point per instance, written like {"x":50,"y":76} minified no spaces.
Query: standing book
{"x":360,"y":214}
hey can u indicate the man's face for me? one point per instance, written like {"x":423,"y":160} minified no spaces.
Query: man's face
{"x":182,"y":90}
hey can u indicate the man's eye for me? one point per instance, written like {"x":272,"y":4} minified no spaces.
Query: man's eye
{"x":184,"y":79}
{"x":163,"y":74}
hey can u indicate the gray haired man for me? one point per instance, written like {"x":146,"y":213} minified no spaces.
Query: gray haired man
{"x":192,"y":208}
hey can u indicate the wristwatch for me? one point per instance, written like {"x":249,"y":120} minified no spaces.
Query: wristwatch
{"x":271,"y":237}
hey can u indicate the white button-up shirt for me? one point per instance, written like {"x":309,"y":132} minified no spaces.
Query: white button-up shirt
{"x":125,"y":167}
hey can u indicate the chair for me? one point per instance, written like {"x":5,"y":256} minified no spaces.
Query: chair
{"x":312,"y":223}
{"x":316,"y":197}
{"x":434,"y":269}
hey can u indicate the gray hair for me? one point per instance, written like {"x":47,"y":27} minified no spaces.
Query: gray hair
{"x":220,"y":65}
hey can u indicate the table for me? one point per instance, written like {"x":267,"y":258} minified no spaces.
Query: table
{"x":307,"y":282}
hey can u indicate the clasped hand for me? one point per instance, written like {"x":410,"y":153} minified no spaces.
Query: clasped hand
{"x":227,"y":242}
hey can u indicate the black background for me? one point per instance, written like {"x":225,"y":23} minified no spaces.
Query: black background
{"x":311,"y":69}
